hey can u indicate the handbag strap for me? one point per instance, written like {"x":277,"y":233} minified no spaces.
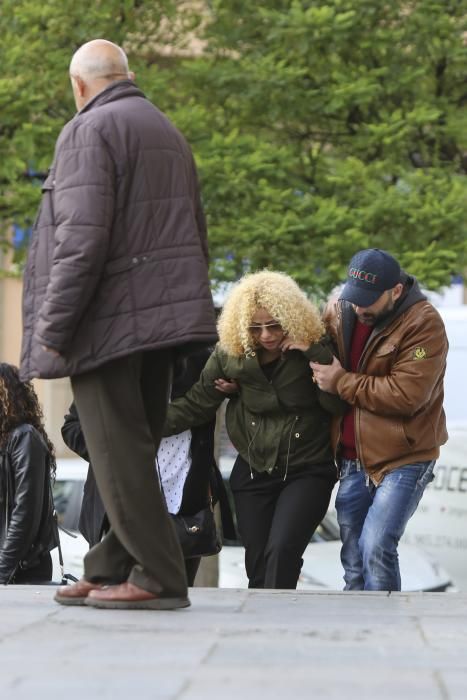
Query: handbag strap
{"x":65,"y":577}
{"x":55,"y":519}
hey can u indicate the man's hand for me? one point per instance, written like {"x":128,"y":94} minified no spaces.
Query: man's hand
{"x":327,"y":376}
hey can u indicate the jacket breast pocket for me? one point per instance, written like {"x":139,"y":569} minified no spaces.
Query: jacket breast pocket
{"x":386,"y":349}
{"x":383,"y":358}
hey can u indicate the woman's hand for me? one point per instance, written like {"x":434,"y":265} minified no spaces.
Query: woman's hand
{"x":227,"y":386}
{"x":290,"y":344}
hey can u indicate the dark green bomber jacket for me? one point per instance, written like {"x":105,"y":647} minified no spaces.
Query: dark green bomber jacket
{"x":283,"y":422}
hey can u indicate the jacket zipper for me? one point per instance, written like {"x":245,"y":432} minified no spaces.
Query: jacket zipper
{"x":372,"y":341}
{"x":288,"y":447}
{"x":250,"y":444}
{"x":361,"y":363}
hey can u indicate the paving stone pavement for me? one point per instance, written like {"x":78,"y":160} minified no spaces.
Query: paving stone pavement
{"x":237,"y":645}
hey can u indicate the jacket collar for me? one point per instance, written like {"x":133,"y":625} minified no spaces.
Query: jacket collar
{"x":411,"y":294}
{"x":115,"y":91}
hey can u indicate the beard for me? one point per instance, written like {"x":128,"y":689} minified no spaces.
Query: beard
{"x":372,"y":318}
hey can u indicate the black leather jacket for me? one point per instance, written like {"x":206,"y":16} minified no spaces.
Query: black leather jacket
{"x":27,"y":528}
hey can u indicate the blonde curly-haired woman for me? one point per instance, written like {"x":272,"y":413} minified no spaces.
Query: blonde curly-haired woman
{"x":277,"y":419}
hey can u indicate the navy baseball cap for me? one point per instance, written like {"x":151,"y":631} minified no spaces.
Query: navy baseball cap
{"x":371,"y":272}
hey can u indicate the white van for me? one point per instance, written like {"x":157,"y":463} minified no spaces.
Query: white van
{"x":439,"y":526}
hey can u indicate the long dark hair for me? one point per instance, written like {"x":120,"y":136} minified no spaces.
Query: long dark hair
{"x":187,"y":369}
{"x":18,"y":405}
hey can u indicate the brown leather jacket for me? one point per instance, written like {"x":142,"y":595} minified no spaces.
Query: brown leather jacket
{"x":118,"y":257}
{"x":398,"y":392}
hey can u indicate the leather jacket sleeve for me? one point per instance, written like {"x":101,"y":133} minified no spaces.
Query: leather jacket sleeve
{"x":200,"y":403}
{"x":28,"y":463}
{"x":72,"y":433}
{"x":409,"y":384}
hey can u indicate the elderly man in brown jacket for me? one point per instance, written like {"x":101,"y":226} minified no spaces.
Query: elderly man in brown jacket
{"x":116,"y":281}
{"x":392,"y":348}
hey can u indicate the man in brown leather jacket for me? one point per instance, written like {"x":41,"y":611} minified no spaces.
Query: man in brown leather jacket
{"x":116,"y":282}
{"x":392,"y":350}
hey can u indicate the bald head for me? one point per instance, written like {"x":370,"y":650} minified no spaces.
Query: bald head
{"x":94,"y":66}
{"x":99,"y":59}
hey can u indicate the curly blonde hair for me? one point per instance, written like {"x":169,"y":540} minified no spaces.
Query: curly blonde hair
{"x":280,"y":296}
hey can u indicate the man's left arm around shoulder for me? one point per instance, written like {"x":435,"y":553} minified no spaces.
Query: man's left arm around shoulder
{"x":83,"y":201}
{"x":419,"y":362}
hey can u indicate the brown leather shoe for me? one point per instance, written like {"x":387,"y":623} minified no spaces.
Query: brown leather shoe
{"x":77,"y":593}
{"x":128,"y":596}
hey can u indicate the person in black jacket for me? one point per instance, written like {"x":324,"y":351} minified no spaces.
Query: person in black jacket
{"x":93,"y":522}
{"x":202,"y":473}
{"x":27,"y":527}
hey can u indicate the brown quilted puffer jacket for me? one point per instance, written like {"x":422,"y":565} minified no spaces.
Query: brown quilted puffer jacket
{"x":118,"y":258}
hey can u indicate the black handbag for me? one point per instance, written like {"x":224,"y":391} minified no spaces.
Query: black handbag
{"x":196,"y":533}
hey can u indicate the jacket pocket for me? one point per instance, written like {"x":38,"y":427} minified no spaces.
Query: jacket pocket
{"x":49,"y":182}
{"x":48,"y":185}
{"x":386,"y":349}
{"x":114,"y":267}
{"x":381,"y":439}
{"x":45,"y":214}
{"x":381,"y":362}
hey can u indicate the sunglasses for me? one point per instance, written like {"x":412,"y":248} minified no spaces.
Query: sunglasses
{"x":272,"y":327}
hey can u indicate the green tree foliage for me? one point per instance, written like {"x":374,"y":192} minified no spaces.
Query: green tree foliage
{"x":319,"y":126}
{"x":333,"y":125}
{"x":38,"y":40}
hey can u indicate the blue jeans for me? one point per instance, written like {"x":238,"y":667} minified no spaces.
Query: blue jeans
{"x":372,"y":519}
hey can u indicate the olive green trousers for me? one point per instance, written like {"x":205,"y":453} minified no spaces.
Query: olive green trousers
{"x":122,"y":407}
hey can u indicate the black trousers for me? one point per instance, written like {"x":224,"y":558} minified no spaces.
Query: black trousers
{"x":276,"y":519}
{"x":122,"y":407}
{"x":191,"y":568}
